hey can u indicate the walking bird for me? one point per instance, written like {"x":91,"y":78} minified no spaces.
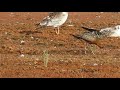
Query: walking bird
{"x":93,"y":36}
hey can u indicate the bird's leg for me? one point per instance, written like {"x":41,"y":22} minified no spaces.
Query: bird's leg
{"x":86,"y":48}
{"x":91,"y":50}
{"x":57,"y":32}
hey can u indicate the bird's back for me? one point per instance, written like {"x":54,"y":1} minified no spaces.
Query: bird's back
{"x":55,"y":19}
{"x":90,"y":37}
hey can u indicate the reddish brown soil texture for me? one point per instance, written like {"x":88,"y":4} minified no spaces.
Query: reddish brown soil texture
{"x":22,"y":47}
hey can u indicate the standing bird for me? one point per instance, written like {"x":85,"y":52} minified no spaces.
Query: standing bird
{"x":55,"y":19}
{"x":93,"y":36}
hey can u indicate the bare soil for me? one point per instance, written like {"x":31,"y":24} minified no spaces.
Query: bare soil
{"x":27,"y":52}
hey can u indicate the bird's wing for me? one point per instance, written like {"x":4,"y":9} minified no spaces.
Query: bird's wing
{"x":90,"y":29}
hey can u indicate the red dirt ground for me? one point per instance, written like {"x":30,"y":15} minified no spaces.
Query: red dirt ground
{"x":22,"y":47}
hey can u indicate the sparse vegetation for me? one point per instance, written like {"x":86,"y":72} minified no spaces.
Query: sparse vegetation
{"x":26,"y":52}
{"x":45,"y":57}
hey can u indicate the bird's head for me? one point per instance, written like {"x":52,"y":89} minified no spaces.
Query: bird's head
{"x":117,"y":27}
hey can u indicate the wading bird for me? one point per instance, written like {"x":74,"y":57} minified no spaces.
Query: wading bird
{"x":55,"y":19}
{"x":93,"y":36}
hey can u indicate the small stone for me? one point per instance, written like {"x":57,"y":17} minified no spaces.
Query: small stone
{"x":71,"y":25}
{"x":37,"y":38}
{"x":11,"y":13}
{"x":95,"y":64}
{"x":32,"y":37}
{"x":63,"y":70}
{"x":84,"y":64}
{"x":37,"y":59}
{"x":17,"y":22}
{"x":22,"y":55}
{"x":6,"y":33}
{"x":90,"y":21}
{"x":35,"y":62}
{"x":51,"y":40}
{"x":98,"y":16}
{"x":22,"y":42}
{"x":30,"y":64}
{"x":75,"y":51}
{"x":61,"y":60}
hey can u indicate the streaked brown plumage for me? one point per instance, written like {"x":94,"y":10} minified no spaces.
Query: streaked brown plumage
{"x":93,"y":36}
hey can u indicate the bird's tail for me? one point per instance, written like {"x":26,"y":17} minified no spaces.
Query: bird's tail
{"x":77,"y":36}
{"x":45,"y":21}
{"x":38,"y":26}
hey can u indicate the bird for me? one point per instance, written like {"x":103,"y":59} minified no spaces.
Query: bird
{"x":54,"y":19}
{"x":90,"y":38}
{"x":93,"y":36}
{"x":111,"y":31}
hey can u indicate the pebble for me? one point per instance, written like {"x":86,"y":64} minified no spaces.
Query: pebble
{"x":11,"y":13}
{"x":6,"y":33}
{"x":35,"y":62}
{"x":71,"y":25}
{"x":32,"y":37}
{"x":22,"y":42}
{"x":55,"y":47}
{"x":17,"y":22}
{"x":61,"y":60}
{"x":95,"y":64}
{"x":98,"y":16}
{"x":22,"y":55}
{"x":84,"y":64}
{"x":75,"y":51}
{"x":37,"y":59}
{"x":51,"y":40}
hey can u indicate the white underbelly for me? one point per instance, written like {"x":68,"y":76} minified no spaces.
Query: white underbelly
{"x":116,"y":34}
